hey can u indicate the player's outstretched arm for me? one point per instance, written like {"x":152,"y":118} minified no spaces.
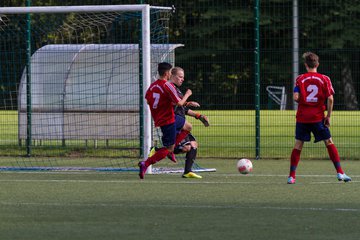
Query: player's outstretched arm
{"x":192,"y":104}
{"x":204,"y":119}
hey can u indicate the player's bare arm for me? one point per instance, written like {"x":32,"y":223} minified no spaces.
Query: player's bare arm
{"x":185,"y":98}
{"x":296,"y":96}
{"x":192,"y":104}
{"x":204,"y":119}
{"x":330,"y":105}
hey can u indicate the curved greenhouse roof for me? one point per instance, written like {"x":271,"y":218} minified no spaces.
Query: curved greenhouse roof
{"x":88,"y":77}
{"x":86,"y":91}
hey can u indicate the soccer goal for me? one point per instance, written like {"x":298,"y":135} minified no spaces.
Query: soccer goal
{"x":278,"y":95}
{"x":75,"y":79}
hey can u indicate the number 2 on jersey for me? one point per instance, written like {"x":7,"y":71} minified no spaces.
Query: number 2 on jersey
{"x":313,"y":91}
{"x":156,"y":96}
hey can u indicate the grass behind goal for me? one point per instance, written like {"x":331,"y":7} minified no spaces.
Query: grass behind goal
{"x":231,"y":135}
{"x":222,"y":205}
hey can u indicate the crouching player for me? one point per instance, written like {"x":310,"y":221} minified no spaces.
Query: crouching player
{"x":189,"y":145}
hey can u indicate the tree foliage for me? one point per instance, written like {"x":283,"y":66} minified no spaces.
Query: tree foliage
{"x":219,"y":43}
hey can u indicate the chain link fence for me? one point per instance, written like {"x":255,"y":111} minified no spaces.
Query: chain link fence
{"x":219,"y":62}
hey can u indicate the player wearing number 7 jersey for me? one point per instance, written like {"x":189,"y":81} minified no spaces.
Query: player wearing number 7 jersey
{"x":161,"y":97}
{"x":314,"y":93}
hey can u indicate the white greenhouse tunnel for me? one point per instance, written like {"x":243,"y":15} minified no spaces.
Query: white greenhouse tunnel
{"x":86,"y":91}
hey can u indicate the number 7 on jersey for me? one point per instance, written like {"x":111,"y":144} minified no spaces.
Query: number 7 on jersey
{"x":156,"y":97}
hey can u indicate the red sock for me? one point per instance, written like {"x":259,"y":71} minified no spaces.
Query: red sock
{"x":294,"y":161}
{"x":181,"y":135}
{"x":159,"y":155}
{"x":334,"y":156}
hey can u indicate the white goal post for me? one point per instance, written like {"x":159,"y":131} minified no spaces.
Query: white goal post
{"x":146,"y":45}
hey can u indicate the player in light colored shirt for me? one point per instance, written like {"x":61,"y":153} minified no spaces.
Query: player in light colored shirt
{"x":314,"y":93}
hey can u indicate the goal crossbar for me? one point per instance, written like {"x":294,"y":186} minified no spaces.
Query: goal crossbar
{"x":87,"y":8}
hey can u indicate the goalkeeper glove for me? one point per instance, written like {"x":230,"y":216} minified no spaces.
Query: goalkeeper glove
{"x":203,"y":119}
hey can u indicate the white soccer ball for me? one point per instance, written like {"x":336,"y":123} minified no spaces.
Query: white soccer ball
{"x":244,"y":166}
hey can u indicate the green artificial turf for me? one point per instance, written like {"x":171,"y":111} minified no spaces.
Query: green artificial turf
{"x":222,"y":205}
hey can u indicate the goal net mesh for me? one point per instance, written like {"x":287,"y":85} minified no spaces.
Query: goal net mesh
{"x":75,"y":103}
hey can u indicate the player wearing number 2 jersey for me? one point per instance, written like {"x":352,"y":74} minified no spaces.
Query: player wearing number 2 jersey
{"x":313,"y":89}
{"x":314,"y":93}
{"x":161,"y":97}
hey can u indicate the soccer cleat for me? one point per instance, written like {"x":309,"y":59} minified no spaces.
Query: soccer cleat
{"x":291,"y":180}
{"x":343,"y":177}
{"x":142,"y":169}
{"x":171,"y":156}
{"x":191,"y":175}
{"x":152,"y":152}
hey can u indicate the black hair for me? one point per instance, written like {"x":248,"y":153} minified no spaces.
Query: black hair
{"x":164,"y":67}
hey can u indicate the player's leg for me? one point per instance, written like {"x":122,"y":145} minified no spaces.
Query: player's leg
{"x":185,"y":130}
{"x":333,"y":154}
{"x":335,"y":158}
{"x":179,"y":123}
{"x":182,"y":127}
{"x":168,"y":140}
{"x":188,"y":146}
{"x":191,"y":152}
{"x":302,"y":134}
{"x":294,"y":160}
{"x":190,"y":157}
{"x":322,"y":133}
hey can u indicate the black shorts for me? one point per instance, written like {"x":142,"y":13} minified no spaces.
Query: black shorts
{"x":186,"y":141}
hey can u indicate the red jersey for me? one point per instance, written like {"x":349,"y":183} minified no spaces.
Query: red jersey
{"x":161,"y":97}
{"x":314,"y":89}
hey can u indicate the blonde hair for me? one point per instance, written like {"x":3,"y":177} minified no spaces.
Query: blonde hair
{"x":175,"y":70}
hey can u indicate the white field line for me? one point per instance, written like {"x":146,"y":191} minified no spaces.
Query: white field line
{"x":210,"y":173}
{"x":185,"y":181}
{"x":281,"y":175}
{"x":177,"y":206}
